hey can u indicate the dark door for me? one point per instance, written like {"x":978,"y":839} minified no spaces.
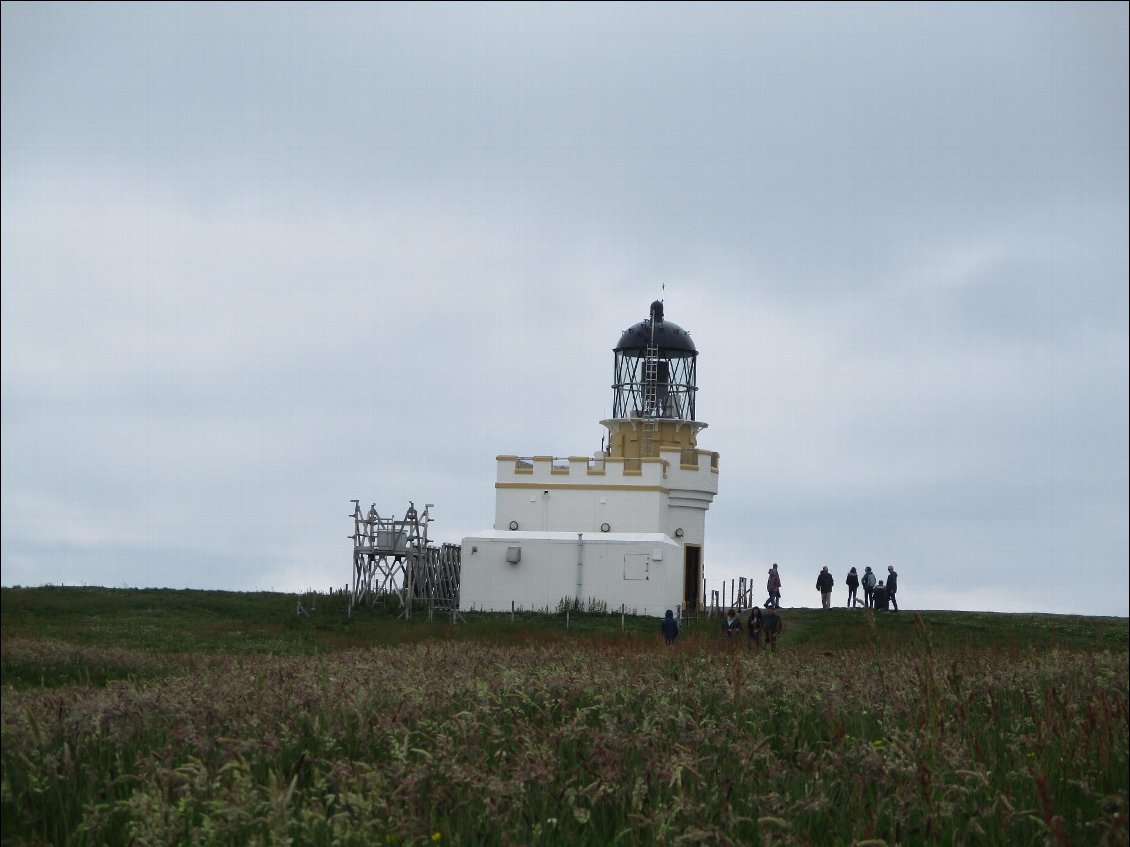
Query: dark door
{"x":692,"y":576}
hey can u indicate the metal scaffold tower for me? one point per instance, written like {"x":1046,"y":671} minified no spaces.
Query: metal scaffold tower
{"x":392,"y":557}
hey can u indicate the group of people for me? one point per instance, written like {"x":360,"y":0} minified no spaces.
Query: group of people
{"x":764,"y":627}
{"x":761,"y":628}
{"x":877,"y":595}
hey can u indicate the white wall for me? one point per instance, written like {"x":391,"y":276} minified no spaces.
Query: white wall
{"x":547,"y":572}
{"x":579,"y":510}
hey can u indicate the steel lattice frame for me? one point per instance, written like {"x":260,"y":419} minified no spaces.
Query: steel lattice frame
{"x":392,"y":557}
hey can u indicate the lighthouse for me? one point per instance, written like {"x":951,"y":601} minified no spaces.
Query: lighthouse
{"x":624,"y":527}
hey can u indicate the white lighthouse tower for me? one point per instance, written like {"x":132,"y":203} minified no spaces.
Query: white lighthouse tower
{"x":623,"y":528}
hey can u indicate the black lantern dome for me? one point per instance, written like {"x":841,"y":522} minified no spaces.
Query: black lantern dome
{"x":658,"y":332}
{"x":655,"y":370}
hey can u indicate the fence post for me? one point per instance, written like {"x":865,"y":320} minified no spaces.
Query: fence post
{"x":621,"y":616}
{"x":511,"y":611}
{"x":566,"y":617}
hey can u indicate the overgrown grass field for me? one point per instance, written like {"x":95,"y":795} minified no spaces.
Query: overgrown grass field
{"x":177,"y":717}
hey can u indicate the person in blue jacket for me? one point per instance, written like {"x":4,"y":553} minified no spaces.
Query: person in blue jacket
{"x":731,"y":624}
{"x":670,"y":628}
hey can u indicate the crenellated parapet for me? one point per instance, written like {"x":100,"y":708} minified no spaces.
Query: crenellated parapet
{"x":674,"y":468}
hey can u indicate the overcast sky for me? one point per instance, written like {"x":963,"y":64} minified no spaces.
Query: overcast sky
{"x":261,"y":260}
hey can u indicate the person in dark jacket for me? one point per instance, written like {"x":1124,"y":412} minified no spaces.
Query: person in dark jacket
{"x":824,"y":583}
{"x":773,"y":586}
{"x":753,"y":628}
{"x":853,"y":588}
{"x":772,"y":626}
{"x":892,"y":587}
{"x":731,"y":624}
{"x":868,"y":583}
{"x":880,"y":597}
{"x":670,"y":628}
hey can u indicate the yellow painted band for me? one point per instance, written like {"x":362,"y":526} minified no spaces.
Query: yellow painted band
{"x":543,"y":486}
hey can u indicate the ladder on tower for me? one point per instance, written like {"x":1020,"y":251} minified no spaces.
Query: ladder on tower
{"x":651,"y":412}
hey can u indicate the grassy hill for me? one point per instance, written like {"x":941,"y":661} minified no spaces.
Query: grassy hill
{"x":177,"y":621}
{"x":197,"y":717}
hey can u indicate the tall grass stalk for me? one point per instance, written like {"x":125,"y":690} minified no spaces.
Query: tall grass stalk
{"x":593,"y":741}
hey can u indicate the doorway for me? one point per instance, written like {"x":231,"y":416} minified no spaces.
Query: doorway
{"x":692,"y":576}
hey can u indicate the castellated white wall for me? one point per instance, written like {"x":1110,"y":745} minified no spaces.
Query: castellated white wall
{"x":634,"y":518}
{"x":642,"y":571}
{"x":581,"y":495}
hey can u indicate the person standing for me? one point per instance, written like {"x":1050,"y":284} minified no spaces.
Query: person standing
{"x":772,"y":626}
{"x":670,"y":628}
{"x":773,"y":586}
{"x":892,"y":587}
{"x":853,"y":588}
{"x":824,"y":583}
{"x":869,"y":588}
{"x":753,"y":628}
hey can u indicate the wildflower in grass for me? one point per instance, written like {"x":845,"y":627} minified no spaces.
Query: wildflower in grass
{"x":594,"y":734}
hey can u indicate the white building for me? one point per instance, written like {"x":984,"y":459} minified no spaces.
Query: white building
{"x":626,"y":527}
